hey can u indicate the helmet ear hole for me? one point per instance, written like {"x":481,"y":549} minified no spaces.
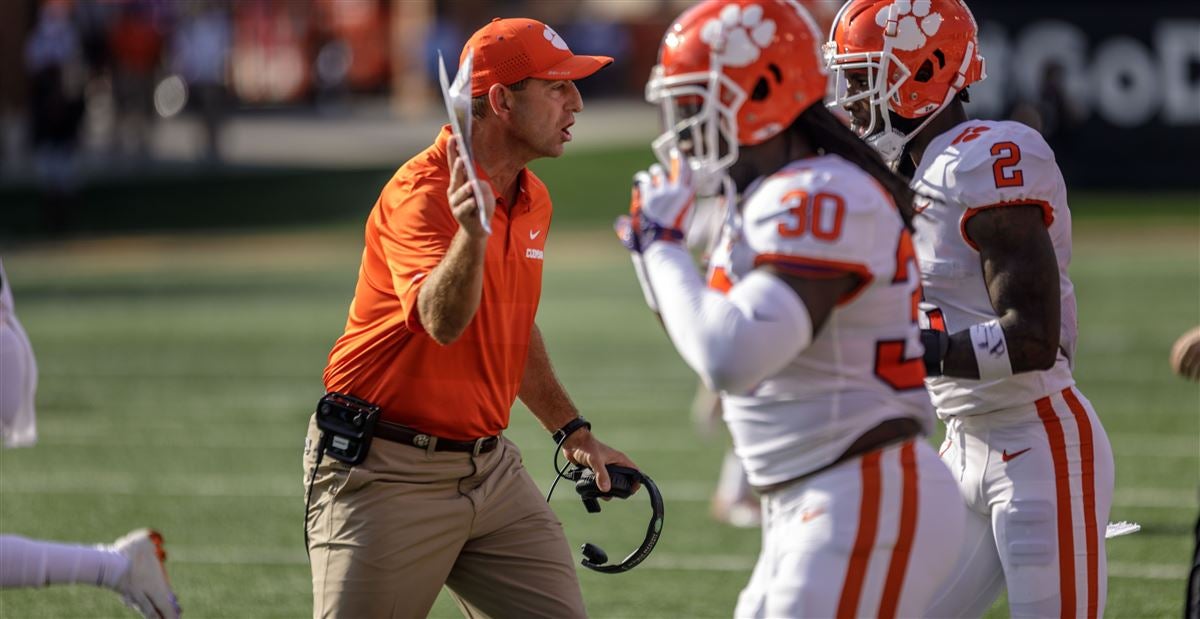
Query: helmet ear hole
{"x":774,"y":69}
{"x":761,"y":90}
{"x":941,"y":58}
{"x":924,"y":73}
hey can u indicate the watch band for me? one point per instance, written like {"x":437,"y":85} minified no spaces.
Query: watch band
{"x":570,"y":428}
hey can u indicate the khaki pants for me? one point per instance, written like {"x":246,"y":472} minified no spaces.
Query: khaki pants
{"x":385,"y":536}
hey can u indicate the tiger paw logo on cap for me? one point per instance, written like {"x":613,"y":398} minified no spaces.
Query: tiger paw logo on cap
{"x":738,"y":35}
{"x":910,"y":34}
{"x":554,"y":39}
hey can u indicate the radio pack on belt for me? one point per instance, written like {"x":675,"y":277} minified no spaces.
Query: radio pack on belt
{"x":347,"y":424}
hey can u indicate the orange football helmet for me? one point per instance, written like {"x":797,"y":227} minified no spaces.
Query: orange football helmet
{"x":733,"y":72}
{"x":916,"y":56}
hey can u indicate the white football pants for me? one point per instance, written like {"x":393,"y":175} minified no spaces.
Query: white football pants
{"x":1038,"y":483}
{"x":874,"y":536}
{"x":18,"y":383}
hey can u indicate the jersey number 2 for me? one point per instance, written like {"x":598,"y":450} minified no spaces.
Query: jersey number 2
{"x":1012,"y":156}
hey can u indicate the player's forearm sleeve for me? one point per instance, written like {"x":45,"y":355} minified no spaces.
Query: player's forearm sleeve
{"x":732,"y":341}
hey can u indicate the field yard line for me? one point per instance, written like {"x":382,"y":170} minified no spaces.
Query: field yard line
{"x":1147,"y":571}
{"x":658,"y":561}
{"x":1126,"y":445}
{"x":218,"y":486}
{"x":1156,"y":497}
{"x":1146,"y":445}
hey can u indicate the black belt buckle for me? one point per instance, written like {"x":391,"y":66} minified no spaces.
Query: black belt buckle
{"x":348,"y":424}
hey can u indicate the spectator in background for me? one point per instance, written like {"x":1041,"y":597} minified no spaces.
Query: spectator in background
{"x":54,"y":62}
{"x":1061,"y":114}
{"x":1055,"y":114}
{"x":135,"y":45}
{"x":201,"y":55}
{"x":593,"y":32}
{"x":448,"y":34}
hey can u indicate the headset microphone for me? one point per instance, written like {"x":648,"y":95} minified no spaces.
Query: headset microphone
{"x":623,"y":482}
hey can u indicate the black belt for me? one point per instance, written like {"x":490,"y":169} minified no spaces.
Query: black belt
{"x":407,"y":436}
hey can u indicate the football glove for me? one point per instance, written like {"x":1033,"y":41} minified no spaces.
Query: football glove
{"x":661,"y":202}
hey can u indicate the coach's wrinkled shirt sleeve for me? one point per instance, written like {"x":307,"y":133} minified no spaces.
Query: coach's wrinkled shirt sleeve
{"x":415,"y":233}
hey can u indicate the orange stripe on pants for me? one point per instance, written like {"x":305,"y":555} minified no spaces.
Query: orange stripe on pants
{"x":904,"y":539}
{"x":1089,"y":498}
{"x":864,"y":541}
{"x":1062,"y":488}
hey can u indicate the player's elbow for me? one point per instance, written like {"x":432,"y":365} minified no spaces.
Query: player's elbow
{"x":722,"y":373}
{"x":1037,"y":353}
{"x":1045,"y":355}
{"x":724,"y":381}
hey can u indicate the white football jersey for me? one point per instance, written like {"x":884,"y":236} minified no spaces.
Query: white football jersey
{"x":975,"y":166}
{"x":820,"y":217}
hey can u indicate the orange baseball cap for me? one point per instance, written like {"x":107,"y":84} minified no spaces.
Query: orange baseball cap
{"x":507,"y":51}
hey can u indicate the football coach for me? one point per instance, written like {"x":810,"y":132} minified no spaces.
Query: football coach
{"x":441,"y":340}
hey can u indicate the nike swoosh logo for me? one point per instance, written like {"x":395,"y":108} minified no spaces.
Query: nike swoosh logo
{"x":1005,"y":456}
{"x":811,"y":514}
{"x":533,"y":234}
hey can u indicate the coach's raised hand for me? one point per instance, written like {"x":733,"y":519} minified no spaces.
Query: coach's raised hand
{"x":466,"y":198}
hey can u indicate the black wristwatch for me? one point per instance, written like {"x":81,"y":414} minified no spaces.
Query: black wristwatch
{"x":567,"y":430}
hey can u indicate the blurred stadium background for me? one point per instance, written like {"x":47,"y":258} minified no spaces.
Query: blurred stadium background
{"x":182,"y":189}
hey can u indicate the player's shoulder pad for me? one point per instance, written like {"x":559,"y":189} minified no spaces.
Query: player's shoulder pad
{"x":994,"y":162}
{"x":823,"y":208}
{"x":975,"y":150}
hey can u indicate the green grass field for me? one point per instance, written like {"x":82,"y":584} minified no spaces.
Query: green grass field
{"x":178,"y":373}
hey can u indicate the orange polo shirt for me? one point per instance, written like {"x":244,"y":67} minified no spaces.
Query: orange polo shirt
{"x":465,"y":390}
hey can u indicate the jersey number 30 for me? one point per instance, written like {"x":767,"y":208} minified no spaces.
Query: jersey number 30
{"x":821,"y":215}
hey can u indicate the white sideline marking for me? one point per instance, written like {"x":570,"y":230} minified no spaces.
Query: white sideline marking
{"x":1137,"y":445}
{"x":1155,"y":445}
{"x":1148,"y":571}
{"x":658,"y":561}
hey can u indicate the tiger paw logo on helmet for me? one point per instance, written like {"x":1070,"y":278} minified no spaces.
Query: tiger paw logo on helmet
{"x":738,"y":35}
{"x":915,"y":24}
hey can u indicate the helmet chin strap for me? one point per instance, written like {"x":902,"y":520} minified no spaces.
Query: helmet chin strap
{"x":889,"y":143}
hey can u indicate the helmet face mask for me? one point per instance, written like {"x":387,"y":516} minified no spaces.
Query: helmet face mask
{"x":917,"y":55}
{"x":731,"y":74}
{"x":873,"y":97}
{"x":703,"y":127}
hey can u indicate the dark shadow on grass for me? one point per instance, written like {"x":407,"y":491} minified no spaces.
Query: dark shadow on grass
{"x":278,"y":289}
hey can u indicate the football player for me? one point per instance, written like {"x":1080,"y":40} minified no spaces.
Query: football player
{"x":733,"y":501}
{"x":993,"y":237}
{"x":809,"y":330}
{"x":132,"y":566}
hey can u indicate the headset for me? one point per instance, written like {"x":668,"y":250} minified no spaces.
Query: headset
{"x":623,"y":483}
